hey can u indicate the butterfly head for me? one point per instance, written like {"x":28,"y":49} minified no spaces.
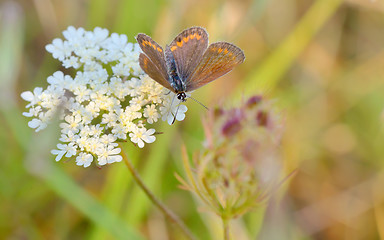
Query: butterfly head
{"x":182,"y":96}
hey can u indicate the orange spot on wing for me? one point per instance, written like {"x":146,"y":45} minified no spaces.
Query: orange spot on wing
{"x":173,"y":48}
{"x":192,"y":36}
{"x":154,"y":47}
{"x":198,"y":36}
{"x":220,"y":50}
{"x":180,"y":44}
{"x":186,"y":39}
{"x":159,"y":49}
{"x":225,"y":51}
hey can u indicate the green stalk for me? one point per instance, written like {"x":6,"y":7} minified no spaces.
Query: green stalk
{"x":151,"y":171}
{"x":226,"y":228}
{"x":167,"y":212}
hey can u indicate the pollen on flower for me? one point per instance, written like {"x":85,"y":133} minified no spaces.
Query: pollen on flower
{"x":151,"y":113}
{"x":84,"y":159}
{"x":141,"y":135}
{"x":108,"y":99}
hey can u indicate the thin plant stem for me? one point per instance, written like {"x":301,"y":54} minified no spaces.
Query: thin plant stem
{"x":166,"y":211}
{"x":226,"y":228}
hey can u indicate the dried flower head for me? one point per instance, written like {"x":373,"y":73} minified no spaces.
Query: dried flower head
{"x":239,"y":165}
{"x":108,"y":99}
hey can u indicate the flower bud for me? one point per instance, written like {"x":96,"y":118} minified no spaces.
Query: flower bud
{"x":240,"y":166}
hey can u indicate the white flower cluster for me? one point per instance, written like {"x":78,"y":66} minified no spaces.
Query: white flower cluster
{"x":108,"y":100}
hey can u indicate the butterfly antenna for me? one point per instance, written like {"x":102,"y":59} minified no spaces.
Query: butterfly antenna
{"x":198,"y":102}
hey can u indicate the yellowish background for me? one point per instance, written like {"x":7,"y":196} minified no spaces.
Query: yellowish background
{"x":323,"y":63}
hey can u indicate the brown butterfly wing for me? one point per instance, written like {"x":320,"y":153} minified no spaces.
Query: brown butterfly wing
{"x":188,"y":48}
{"x":152,"y":70}
{"x":156,"y":67}
{"x":219,"y":59}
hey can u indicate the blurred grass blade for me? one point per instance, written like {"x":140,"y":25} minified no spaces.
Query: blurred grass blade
{"x":254,"y":13}
{"x":378,"y":203}
{"x":64,"y":186}
{"x":267,"y":75}
{"x":132,"y":17}
{"x":97,"y":13}
{"x":11,"y":45}
{"x":114,"y":192}
{"x":117,"y":182}
{"x":139,"y":204}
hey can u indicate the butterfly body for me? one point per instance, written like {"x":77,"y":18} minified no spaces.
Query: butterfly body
{"x":176,"y":82}
{"x":188,"y":62}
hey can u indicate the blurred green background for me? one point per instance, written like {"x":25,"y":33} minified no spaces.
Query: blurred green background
{"x":323,"y":63}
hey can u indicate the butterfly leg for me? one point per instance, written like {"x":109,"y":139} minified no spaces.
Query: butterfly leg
{"x":174,"y":117}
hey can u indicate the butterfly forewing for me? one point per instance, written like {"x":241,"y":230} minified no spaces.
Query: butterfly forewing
{"x":154,"y":52}
{"x":153,"y":72}
{"x":218,"y":59}
{"x":188,"y":49}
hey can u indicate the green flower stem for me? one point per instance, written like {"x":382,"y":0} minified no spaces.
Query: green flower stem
{"x":150,"y":173}
{"x":226,"y":227}
{"x":167,"y":212}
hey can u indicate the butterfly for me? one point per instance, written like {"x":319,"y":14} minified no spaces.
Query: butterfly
{"x":188,"y":62}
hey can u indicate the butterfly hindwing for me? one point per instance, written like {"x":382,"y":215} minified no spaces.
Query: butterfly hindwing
{"x":154,"y":52}
{"x":153,"y":72}
{"x":188,"y":48}
{"x":218,"y":59}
